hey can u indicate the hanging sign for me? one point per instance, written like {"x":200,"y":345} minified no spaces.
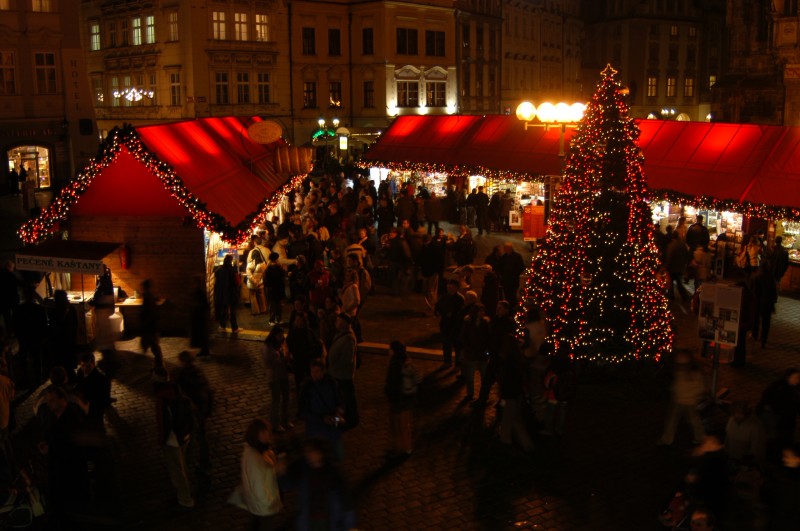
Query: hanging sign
{"x":265,"y":132}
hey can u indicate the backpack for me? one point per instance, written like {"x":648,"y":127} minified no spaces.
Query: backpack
{"x":181,"y":417}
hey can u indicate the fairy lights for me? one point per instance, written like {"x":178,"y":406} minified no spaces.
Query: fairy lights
{"x":127,"y":137}
{"x":595,"y":276}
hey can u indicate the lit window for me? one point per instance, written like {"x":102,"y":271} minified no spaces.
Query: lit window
{"x":335,"y":93}
{"x":45,"y":64}
{"x":136,"y":28}
{"x":42,"y":6}
{"x":673,"y":30}
{"x":692,"y":31}
{"x":149,"y":29}
{"x":262,"y":85}
{"x":5,"y":5}
{"x":240,"y":26}
{"x":407,"y":94}
{"x":221,"y":87}
{"x":218,"y":23}
{"x":175,"y":88}
{"x":688,"y":87}
{"x":172,"y":26}
{"x":115,"y":92}
{"x":435,"y":92}
{"x":262,"y":28}
{"x":671,"y":82}
{"x":153,"y":89}
{"x":8,"y":72}
{"x":94,"y":36}
{"x":309,"y":95}
{"x":652,"y":87}
{"x":242,"y":87}
{"x":97,"y":90}
{"x":712,"y":80}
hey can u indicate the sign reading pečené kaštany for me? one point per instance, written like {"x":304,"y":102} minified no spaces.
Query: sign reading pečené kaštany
{"x":58,"y":265}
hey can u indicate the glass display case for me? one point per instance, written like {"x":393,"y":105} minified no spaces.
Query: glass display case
{"x":791,"y":239}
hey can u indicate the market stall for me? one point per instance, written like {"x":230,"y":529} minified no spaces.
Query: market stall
{"x":172,"y":195}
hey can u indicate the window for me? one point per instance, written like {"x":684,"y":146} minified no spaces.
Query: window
{"x":221,"y":88}
{"x":262,"y":28}
{"x":435,"y":93}
{"x":434,"y":43}
{"x":673,"y":52}
{"x":242,"y":87}
{"x":465,"y":37}
{"x":671,"y":87}
{"x":334,"y":42}
{"x":712,"y":80}
{"x":94,"y":36}
{"x":8,"y":84}
{"x":492,"y":40}
{"x":309,"y":95}
{"x":309,"y":41}
{"x":175,"y":88}
{"x":688,"y":87}
{"x":218,"y":25}
{"x":153,"y":89}
{"x":112,"y":34}
{"x":673,"y":30}
{"x":42,"y":6}
{"x":335,"y":91}
{"x":407,"y":94}
{"x":262,"y":85}
{"x":125,"y":35}
{"x":136,"y":28}
{"x":172,"y":26}
{"x":126,"y":83}
{"x":369,"y":94}
{"x":465,"y":82}
{"x":652,"y":52}
{"x":367,"y":41}
{"x":115,"y":91}
{"x":5,"y":5}
{"x":652,"y":87}
{"x":150,"y":29}
{"x":45,"y":64}
{"x":407,"y":41}
{"x":240,"y":26}
{"x":479,"y":38}
{"x":692,"y":31}
{"x":492,"y":81}
{"x":97,"y":91}
{"x":691,"y":54}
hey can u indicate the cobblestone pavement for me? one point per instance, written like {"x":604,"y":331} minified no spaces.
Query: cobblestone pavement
{"x":604,"y":473}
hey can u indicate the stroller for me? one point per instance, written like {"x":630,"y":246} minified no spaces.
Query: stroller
{"x":21,"y":503}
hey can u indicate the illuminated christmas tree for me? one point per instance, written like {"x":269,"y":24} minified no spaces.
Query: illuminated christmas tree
{"x":595,"y":276}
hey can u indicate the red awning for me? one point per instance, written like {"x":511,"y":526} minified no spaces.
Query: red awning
{"x":740,"y":162}
{"x":217,"y":162}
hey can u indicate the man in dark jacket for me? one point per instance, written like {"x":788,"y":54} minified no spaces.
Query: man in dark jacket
{"x":482,"y":211}
{"x":194,"y":384}
{"x":675,"y":263}
{"x":697,"y":235}
{"x":511,"y":266}
{"x":95,"y":388}
{"x":449,"y":311}
{"x":226,"y":293}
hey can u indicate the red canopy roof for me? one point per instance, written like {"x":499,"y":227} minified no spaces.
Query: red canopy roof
{"x":208,"y":168}
{"x":738,"y":162}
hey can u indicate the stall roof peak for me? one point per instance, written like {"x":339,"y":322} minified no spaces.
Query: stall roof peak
{"x":210,"y":166}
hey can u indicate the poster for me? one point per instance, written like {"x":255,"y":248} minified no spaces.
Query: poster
{"x":533,"y":223}
{"x":718,"y":315}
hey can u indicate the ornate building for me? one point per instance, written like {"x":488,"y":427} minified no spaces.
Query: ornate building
{"x":46,"y":118}
{"x":541,"y":52}
{"x":669,"y":51}
{"x":479,"y":24}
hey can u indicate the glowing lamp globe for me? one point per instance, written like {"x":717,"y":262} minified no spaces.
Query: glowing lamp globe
{"x":526,"y":111}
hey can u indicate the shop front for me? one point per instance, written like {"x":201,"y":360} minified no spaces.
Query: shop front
{"x":169,"y":197}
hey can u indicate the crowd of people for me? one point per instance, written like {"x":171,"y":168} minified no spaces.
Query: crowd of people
{"x":310,"y":274}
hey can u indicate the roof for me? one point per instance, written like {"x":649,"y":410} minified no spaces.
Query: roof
{"x":207,"y":168}
{"x":733,"y":166}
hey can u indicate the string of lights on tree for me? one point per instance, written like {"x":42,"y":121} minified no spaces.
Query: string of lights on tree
{"x":38,"y":228}
{"x":594,"y":277}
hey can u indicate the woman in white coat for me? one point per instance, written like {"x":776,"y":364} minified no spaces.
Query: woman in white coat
{"x":259,"y":482}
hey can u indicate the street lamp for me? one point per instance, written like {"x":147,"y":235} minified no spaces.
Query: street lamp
{"x":548,"y":114}
{"x":327,"y":133}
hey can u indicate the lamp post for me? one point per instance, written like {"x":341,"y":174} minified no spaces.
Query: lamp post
{"x":323,"y":128}
{"x":561,"y":114}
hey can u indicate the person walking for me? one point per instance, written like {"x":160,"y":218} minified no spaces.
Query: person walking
{"x":401,"y":389}
{"x":342,"y":366}
{"x":511,"y":266}
{"x":276,"y":359}
{"x":275,"y":284}
{"x":259,"y":487}
{"x":766,"y":296}
{"x":256,"y":266}
{"x":475,"y":345}
{"x":687,"y":390}
{"x":322,"y":407}
{"x":226,"y":294}
{"x":151,"y":317}
{"x":676,"y":261}
{"x":192,"y":383}
{"x":513,"y":380}
{"x":448,"y":308}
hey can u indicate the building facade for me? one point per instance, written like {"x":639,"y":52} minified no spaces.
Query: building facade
{"x":155,"y":61}
{"x":47,"y":124}
{"x":541,"y":59}
{"x":668,"y":52}
{"x":479,"y":24}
